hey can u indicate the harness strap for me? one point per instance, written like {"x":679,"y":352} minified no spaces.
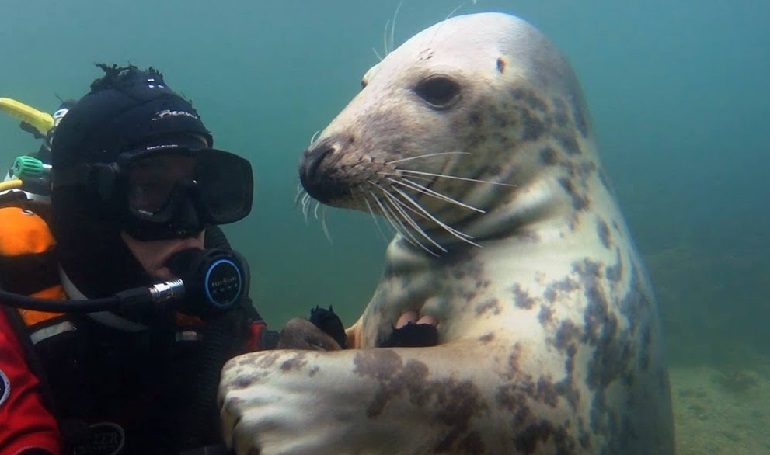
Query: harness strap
{"x":27,"y":274}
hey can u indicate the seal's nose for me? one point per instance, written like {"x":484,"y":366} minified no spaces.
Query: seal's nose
{"x":308,"y":166}
{"x":320,"y":181}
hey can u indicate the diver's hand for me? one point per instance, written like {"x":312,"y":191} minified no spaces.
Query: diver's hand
{"x":324,"y":332}
{"x":304,"y":335}
{"x":330,"y":323}
{"x":413,"y":331}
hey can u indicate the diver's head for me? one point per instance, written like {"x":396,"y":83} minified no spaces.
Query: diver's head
{"x":133,"y":162}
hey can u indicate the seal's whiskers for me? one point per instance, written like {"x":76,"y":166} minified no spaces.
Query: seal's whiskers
{"x":324,"y":226}
{"x":467,"y":179}
{"x":314,"y":137}
{"x":423,"y":178}
{"x":460,"y":235}
{"x":305,"y":205}
{"x":425,"y":190}
{"x":385,"y":38}
{"x":374,"y":218}
{"x":300,"y":193}
{"x":383,"y":212}
{"x":395,"y":222}
{"x":400,"y":207}
{"x":393,"y":28}
{"x":440,"y":25}
{"x":409,"y":207}
{"x":427,"y":155}
{"x":304,"y":200}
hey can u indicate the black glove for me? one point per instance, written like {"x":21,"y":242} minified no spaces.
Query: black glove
{"x":299,"y":333}
{"x":330,"y":323}
{"x":412,"y":335}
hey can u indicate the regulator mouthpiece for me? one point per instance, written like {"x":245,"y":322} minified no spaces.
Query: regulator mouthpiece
{"x":214,"y":280}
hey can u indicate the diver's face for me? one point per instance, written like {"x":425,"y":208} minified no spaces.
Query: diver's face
{"x":153,"y":254}
{"x":150,"y":183}
{"x":152,"y":180}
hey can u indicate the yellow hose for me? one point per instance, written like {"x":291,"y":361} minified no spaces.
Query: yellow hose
{"x":10,"y":184}
{"x":42,"y":121}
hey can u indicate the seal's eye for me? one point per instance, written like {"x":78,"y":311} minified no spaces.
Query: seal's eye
{"x":438,"y":91}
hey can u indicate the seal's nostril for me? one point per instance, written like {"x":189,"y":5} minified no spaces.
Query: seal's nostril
{"x":321,"y":183}
{"x":313,"y":159}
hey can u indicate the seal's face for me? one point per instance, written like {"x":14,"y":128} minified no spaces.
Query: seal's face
{"x":449,"y":126}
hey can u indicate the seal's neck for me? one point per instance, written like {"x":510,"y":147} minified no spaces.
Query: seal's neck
{"x":521,"y":212}
{"x":507,"y":213}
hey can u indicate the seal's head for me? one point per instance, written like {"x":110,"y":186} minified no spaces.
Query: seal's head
{"x":453,"y":125}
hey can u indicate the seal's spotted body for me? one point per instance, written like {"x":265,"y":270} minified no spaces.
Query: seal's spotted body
{"x":549,"y":339}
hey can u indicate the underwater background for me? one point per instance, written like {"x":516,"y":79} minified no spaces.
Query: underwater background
{"x":679,"y":92}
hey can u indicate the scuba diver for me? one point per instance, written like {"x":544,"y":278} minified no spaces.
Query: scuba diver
{"x":121,"y":301}
{"x":120,"y":297}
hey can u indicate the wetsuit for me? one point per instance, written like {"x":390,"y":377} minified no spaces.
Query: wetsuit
{"x":100,"y":384}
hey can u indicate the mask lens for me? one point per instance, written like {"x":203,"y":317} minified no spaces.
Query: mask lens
{"x":152,"y":182}
{"x":225,"y":186}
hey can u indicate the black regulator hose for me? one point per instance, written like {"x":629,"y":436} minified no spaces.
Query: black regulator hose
{"x":211,"y":281}
{"x":122,"y":301}
{"x":223,"y":338}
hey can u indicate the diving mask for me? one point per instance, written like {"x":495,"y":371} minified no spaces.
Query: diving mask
{"x":169,"y":193}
